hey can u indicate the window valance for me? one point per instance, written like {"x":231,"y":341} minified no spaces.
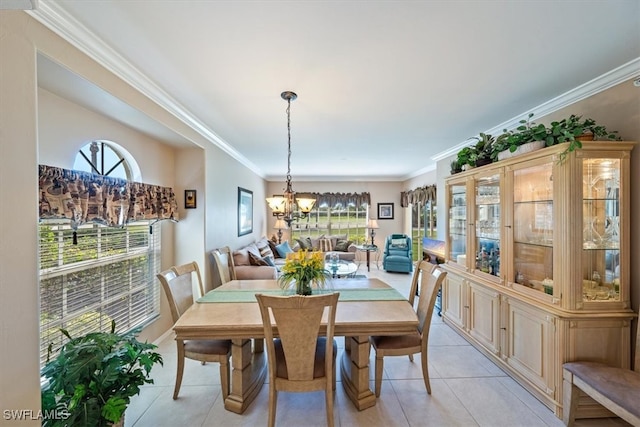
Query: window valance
{"x":335,"y":199}
{"x":85,"y":197}
{"x":420,"y":196}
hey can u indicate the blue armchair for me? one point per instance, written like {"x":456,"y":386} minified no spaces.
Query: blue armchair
{"x":398,"y":255}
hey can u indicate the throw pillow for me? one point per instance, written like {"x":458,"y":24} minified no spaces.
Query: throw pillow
{"x":399,"y":243}
{"x":269,"y":260}
{"x":241,"y":257}
{"x":284,"y":249}
{"x":305,"y":243}
{"x":263,"y":247}
{"x":256,"y":260}
{"x":342,"y":245}
{"x":324,"y":245}
{"x":272,"y":246}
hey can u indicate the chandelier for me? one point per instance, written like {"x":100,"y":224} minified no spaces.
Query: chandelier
{"x":284,"y":207}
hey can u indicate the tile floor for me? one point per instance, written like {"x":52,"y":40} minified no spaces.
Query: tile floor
{"x":467,"y":390}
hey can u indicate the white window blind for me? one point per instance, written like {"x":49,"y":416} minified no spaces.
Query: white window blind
{"x":108,"y":275}
{"x":349,"y":219}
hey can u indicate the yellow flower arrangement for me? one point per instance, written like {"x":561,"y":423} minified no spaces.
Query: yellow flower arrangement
{"x":303,"y":268}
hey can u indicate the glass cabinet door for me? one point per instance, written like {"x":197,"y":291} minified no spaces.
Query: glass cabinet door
{"x":533,"y":227}
{"x":601,"y":230}
{"x":458,"y":223}
{"x":487,"y":225}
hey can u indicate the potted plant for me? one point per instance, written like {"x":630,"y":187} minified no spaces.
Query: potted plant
{"x":304,"y":269}
{"x":466,"y":158}
{"x":528,"y":132}
{"x":574,"y":130}
{"x":94,"y":376}
{"x":481,"y":152}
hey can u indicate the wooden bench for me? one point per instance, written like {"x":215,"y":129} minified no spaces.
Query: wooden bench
{"x":616,"y":389}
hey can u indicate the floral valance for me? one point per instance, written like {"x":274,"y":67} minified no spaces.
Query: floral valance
{"x":335,"y":199}
{"x":85,"y":197}
{"x":418,"y":196}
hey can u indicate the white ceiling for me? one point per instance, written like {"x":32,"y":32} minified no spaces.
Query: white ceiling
{"x":383,"y":86}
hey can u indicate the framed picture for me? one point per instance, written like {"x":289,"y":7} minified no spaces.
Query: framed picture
{"x":385,"y":210}
{"x":189,"y":199}
{"x":245,"y":211}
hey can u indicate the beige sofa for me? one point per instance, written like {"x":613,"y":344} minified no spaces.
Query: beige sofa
{"x":252,"y":262}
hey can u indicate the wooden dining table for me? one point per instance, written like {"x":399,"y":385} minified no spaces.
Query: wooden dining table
{"x":366,"y":307}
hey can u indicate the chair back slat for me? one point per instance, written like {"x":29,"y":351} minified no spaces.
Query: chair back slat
{"x":297,"y":320}
{"x":223,"y":260}
{"x":177,"y":283}
{"x":420,"y":268}
{"x":429,"y":285}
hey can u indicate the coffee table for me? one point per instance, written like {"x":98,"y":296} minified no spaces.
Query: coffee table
{"x":341,"y":269}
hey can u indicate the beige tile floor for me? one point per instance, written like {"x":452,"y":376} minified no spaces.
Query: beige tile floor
{"x":467,"y":390}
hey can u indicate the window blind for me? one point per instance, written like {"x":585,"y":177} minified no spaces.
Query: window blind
{"x":108,"y":275}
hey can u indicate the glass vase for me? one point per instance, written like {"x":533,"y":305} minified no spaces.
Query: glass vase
{"x":303,"y":287}
{"x":591,"y":238}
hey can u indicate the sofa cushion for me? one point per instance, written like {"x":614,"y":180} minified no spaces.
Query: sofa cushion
{"x":305,"y":243}
{"x":257,"y":260}
{"x":283,"y":249}
{"x":324,"y":245}
{"x":272,"y":246}
{"x":241,"y":256}
{"x":342,"y":245}
{"x":334,"y":239}
{"x":264,"y":248}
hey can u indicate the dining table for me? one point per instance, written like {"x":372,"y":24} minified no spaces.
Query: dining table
{"x":366,"y":307}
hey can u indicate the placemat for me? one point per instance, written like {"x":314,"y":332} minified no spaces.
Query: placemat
{"x":248,"y":295}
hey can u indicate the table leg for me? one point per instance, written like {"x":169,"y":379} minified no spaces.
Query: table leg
{"x":368,"y":258}
{"x":355,"y":372}
{"x":248,"y":374}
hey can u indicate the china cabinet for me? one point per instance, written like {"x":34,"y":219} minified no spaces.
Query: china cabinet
{"x":537,"y":252}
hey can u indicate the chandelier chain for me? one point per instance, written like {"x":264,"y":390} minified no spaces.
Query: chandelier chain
{"x":289,"y":144}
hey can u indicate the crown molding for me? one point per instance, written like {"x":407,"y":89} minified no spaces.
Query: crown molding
{"x":618,"y":75}
{"x":54,"y":17}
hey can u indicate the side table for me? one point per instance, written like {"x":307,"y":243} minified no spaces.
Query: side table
{"x":368,"y":249}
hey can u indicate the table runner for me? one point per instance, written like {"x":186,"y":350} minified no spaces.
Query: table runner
{"x":350,"y":294}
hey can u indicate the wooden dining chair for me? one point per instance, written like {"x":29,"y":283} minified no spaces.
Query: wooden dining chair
{"x":178,"y":287}
{"x":223,"y":260}
{"x":406,"y":345}
{"x":415,"y":281}
{"x":299,"y":359}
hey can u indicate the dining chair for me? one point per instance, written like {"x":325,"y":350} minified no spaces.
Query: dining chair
{"x":415,"y":280}
{"x":406,"y":345}
{"x":178,"y":287}
{"x":223,"y":260}
{"x":299,"y":359}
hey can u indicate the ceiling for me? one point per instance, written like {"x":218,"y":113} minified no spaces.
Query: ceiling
{"x":384,"y":87}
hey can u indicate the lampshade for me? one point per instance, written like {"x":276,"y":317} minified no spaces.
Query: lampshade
{"x":277,"y":204}
{"x":372,"y":224}
{"x":280,"y":224}
{"x":305,"y":205}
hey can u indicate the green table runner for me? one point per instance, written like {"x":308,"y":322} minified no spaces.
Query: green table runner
{"x":247,"y":295}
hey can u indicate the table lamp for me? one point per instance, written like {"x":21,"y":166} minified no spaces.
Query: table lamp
{"x":280,"y":225}
{"x":372,"y":225}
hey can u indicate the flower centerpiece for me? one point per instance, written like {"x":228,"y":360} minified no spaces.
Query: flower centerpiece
{"x":303,"y":269}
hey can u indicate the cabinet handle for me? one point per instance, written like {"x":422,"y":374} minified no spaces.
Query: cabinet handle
{"x":466,"y":306}
{"x":507,"y":226}
{"x":504,"y":329}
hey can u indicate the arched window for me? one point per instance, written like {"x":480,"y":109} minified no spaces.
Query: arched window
{"x":108,"y":275}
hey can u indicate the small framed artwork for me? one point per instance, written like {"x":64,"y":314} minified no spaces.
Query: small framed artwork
{"x":245,"y":211}
{"x":385,"y":210}
{"x":189,"y":199}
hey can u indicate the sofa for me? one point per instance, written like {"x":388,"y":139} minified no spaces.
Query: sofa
{"x":263,"y":258}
